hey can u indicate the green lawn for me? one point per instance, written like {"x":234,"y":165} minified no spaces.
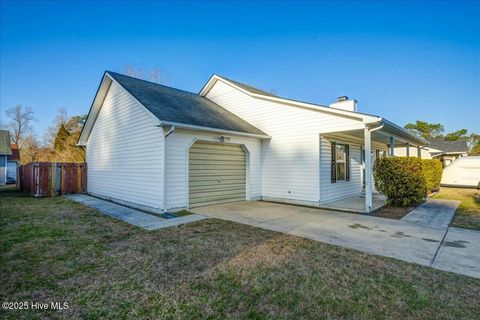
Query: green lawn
{"x":468,"y":212}
{"x":56,"y":250}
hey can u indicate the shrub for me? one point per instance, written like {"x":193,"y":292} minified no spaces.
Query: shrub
{"x":401,"y":180}
{"x":432,"y":172}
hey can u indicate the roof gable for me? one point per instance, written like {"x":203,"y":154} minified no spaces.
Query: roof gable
{"x":448,"y":146}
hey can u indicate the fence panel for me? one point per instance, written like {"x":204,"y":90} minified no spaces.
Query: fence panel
{"x":45,"y":179}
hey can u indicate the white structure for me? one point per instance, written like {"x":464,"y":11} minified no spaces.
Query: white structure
{"x":438,"y":148}
{"x":5,"y":152}
{"x":463,"y":172}
{"x":161,"y":148}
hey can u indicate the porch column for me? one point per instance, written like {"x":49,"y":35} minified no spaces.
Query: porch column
{"x":392,"y":147}
{"x":419,"y":152}
{"x":408,"y":149}
{"x":368,"y":171}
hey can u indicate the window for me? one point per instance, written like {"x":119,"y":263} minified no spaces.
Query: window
{"x":340,"y":162}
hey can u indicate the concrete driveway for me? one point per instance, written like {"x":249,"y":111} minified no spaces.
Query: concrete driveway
{"x":403,"y":240}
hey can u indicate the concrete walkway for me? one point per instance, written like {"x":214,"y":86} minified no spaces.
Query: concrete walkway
{"x":399,"y":239}
{"x":433,"y":213}
{"x":460,"y":252}
{"x":132,"y":216}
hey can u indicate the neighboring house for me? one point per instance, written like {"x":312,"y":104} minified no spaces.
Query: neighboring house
{"x":439,"y":148}
{"x":5,"y":151}
{"x":160,"y":148}
{"x":13,"y":161}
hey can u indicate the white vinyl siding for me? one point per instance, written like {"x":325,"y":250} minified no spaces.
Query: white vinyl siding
{"x":332,"y":191}
{"x":290,"y":168}
{"x":177,"y":151}
{"x":425,"y":152}
{"x":340,"y":189}
{"x":125,"y":152}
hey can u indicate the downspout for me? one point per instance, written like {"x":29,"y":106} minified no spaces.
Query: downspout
{"x":166,"y":134}
{"x":170,"y":131}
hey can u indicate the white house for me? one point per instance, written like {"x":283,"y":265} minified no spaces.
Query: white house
{"x":5,"y":152}
{"x":160,"y":148}
{"x":438,"y":148}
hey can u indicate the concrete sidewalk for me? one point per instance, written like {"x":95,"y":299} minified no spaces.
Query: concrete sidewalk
{"x":433,"y":213}
{"x":460,"y":252}
{"x":403,"y":240}
{"x":132,"y":216}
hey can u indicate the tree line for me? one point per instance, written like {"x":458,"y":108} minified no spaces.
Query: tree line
{"x":436,"y":130}
{"x":59,"y":142}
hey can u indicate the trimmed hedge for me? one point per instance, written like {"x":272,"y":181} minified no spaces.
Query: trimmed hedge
{"x":401,"y":180}
{"x":432,"y":172}
{"x":406,"y":181}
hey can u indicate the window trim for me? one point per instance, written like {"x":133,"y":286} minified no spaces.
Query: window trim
{"x":335,"y":162}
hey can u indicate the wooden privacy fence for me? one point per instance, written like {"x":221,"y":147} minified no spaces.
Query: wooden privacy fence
{"x":46,"y":179}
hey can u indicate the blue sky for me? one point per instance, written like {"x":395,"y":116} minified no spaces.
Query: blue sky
{"x":401,"y":60}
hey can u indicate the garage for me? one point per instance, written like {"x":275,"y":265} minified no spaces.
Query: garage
{"x":217,"y":173}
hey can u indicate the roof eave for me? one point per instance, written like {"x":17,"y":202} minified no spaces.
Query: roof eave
{"x":213,"y":130}
{"x":403,"y":132}
{"x":98,"y":99}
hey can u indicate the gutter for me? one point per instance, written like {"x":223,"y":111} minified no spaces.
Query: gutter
{"x":210,"y":129}
{"x":402,"y":130}
{"x":377,"y":128}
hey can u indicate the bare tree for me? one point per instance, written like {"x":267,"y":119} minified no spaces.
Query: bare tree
{"x":154,"y":75}
{"x":20,"y":122}
{"x":132,"y":71}
{"x":31,"y":150}
{"x":61,"y":118}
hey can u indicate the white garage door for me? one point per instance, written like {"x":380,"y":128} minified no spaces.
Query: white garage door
{"x":216,"y":174}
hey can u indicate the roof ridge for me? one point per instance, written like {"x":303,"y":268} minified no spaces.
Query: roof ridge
{"x":248,"y":87}
{"x":150,"y":82}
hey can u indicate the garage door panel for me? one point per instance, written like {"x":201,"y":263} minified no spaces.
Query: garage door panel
{"x":216,"y":146}
{"x":217,"y":151}
{"x":199,"y":201}
{"x":220,"y":157}
{"x":219,"y":173}
{"x":214,"y":166}
{"x":199,"y":189}
{"x":208,"y":180}
{"x":216,"y":174}
{"x":220,"y":162}
{"x":219,"y":193}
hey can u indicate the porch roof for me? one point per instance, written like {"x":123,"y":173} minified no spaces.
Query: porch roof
{"x":400,"y":135}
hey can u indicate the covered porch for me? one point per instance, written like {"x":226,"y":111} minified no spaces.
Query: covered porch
{"x":355,"y":203}
{"x":378,"y":139}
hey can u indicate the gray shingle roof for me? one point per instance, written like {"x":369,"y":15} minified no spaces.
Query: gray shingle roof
{"x":5,"y":142}
{"x":248,"y":87}
{"x":448,"y":146}
{"x":174,"y":105}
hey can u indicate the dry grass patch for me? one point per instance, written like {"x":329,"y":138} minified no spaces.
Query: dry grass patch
{"x":56,"y":250}
{"x":468,"y":212}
